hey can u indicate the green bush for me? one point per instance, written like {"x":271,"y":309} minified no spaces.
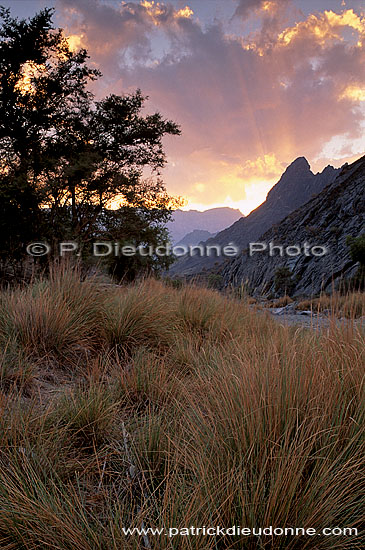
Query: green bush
{"x":283,"y":281}
{"x":357,"y":248}
{"x":215,"y":280}
{"x":357,"y":254}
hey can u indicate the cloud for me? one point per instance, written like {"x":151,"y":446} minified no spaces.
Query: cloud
{"x":246,"y":7}
{"x":325,"y":27}
{"x":117,"y":34}
{"x":248,"y":105}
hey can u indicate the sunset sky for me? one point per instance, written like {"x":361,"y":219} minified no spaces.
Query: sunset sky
{"x":253,"y":83}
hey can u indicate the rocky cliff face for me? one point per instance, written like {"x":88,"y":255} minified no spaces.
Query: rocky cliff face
{"x":324,"y":221}
{"x":295,"y":187}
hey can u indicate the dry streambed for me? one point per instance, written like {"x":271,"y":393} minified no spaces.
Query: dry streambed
{"x":289,"y":315}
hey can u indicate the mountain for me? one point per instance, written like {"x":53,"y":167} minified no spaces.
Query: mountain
{"x":212,"y":220}
{"x":326,"y":220}
{"x":295,"y":187}
{"x":195,"y":237}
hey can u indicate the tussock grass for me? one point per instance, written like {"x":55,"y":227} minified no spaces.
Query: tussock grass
{"x":87,"y":413}
{"x":57,"y":316}
{"x":282,"y":302}
{"x":17,"y":369}
{"x":182,"y":408}
{"x":350,"y":305}
{"x":138,"y":315}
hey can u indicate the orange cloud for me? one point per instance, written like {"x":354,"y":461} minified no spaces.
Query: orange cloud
{"x":185,"y":13}
{"x":267,"y":166}
{"x":153,"y":9}
{"x":75,"y":42}
{"x":353,"y":92}
{"x":323,"y":27}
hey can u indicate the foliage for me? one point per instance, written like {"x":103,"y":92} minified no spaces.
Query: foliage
{"x":357,"y":253}
{"x":215,"y":280}
{"x":65,"y":158}
{"x":357,"y":248}
{"x":283,"y":282}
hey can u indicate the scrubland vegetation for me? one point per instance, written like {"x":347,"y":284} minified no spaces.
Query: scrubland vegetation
{"x":146,"y":405}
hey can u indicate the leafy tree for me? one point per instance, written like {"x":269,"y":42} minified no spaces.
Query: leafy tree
{"x":40,"y":80}
{"x":67,"y":158}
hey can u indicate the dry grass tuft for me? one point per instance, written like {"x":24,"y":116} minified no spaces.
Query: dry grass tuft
{"x":282,"y":302}
{"x":185,"y":408}
{"x":351,"y":305}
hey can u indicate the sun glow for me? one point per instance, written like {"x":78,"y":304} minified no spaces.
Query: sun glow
{"x":28,"y":73}
{"x":255,"y":194}
{"x":268,"y":6}
{"x":74,"y":42}
{"x":356,"y":93}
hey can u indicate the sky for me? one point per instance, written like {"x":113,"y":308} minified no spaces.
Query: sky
{"x":253,"y":84}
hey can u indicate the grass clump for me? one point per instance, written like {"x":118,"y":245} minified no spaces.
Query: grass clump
{"x":188,"y":408}
{"x":282,"y":302}
{"x":350,"y":305}
{"x":58,"y":316}
{"x":138,"y":315}
{"x":87,"y":413}
{"x":17,"y":369}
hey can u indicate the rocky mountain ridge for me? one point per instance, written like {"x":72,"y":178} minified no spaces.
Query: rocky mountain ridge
{"x":326,"y":220}
{"x":195,"y":237}
{"x":211,"y":220}
{"x":296,"y":186}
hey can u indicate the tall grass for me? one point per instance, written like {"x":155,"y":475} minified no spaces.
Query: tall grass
{"x":348,"y":305}
{"x":186,"y":408}
{"x":138,"y":315}
{"x":56,"y":316}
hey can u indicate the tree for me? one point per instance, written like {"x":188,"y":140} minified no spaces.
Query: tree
{"x":40,"y":79}
{"x":67,"y":158}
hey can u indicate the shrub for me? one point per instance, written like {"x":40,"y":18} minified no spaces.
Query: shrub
{"x":283,"y":281}
{"x":215,"y":280}
{"x":357,"y":248}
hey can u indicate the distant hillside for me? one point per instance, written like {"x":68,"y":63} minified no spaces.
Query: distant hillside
{"x":295,"y":187}
{"x":195,"y":237}
{"x":211,"y":220}
{"x":327,"y":219}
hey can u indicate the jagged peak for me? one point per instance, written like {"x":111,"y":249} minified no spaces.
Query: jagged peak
{"x":299,"y":164}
